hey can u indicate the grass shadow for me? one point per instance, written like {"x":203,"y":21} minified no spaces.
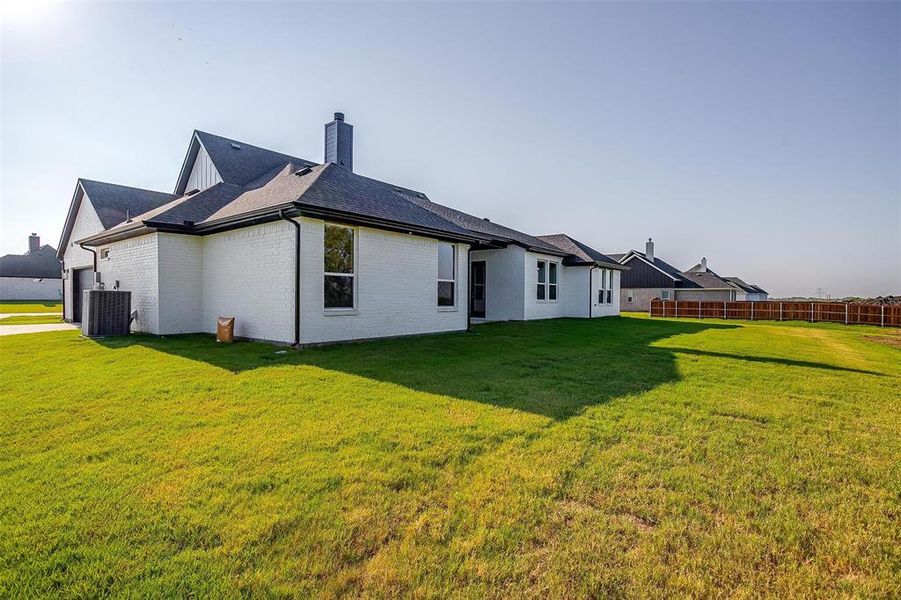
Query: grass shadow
{"x":553,"y":368}
{"x":772,"y":360}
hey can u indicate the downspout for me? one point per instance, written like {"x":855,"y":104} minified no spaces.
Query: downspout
{"x":469,"y":289}
{"x":590,"y":292}
{"x":281,"y":214}
{"x":92,"y":251}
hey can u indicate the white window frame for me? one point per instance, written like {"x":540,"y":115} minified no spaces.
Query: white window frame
{"x":103,"y":254}
{"x":538,"y":282}
{"x":453,"y":306}
{"x":353,"y":275}
{"x":664,"y":294}
{"x":609,"y":287}
{"x":556,"y":285}
{"x":630,"y":297}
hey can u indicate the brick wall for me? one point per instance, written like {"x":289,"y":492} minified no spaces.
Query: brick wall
{"x":396,"y":287}
{"x":133,"y":263}
{"x":248,"y":274}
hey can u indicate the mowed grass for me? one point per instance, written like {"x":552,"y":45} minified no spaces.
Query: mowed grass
{"x":622,"y":457}
{"x":31,"y":319}
{"x":31,"y":306}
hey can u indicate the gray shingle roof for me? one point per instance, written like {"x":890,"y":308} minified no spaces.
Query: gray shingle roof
{"x":579,"y":252}
{"x":662,"y":265}
{"x":327,"y":187}
{"x":485,"y":227}
{"x":42,"y":264}
{"x":707,"y":279}
{"x":239,"y":163}
{"x":113,"y":202}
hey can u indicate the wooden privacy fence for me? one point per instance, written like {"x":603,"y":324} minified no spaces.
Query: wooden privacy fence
{"x":884,"y":315}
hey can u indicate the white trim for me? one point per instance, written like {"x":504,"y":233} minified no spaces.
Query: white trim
{"x":342,"y":310}
{"x":632,"y":254}
{"x":438,"y":280}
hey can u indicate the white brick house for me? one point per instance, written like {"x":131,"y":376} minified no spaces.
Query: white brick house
{"x":308,"y":253}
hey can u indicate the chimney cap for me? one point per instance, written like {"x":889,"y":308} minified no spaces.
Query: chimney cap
{"x":339,"y":116}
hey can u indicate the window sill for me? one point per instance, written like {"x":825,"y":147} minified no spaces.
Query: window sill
{"x":340,"y":312}
{"x":447,"y":309}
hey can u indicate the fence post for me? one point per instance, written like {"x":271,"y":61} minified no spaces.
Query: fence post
{"x":780,"y":311}
{"x":699,"y":309}
{"x":752,"y":311}
{"x":724,"y":311}
{"x":882,"y":315}
{"x":811,"y":312}
{"x":846,"y":314}
{"x":676,"y":306}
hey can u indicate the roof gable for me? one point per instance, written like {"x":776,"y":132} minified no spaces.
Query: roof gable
{"x":235,"y":162}
{"x":580,"y":252}
{"x":112,"y":204}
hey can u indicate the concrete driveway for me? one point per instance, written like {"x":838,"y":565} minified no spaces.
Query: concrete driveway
{"x":20,"y":329}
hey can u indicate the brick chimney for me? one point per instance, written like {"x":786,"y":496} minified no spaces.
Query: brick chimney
{"x":704,"y":264}
{"x":339,"y":142}
{"x":34,"y":243}
{"x":649,"y":250}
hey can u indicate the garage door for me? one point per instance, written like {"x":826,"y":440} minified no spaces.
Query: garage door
{"x":82,"y":279}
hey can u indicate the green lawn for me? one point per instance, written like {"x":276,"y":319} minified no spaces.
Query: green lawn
{"x":31,"y":320}
{"x":618,"y":457}
{"x":31,"y":306}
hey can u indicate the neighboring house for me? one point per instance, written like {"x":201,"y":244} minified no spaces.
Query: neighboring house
{"x":312,"y":253}
{"x":35,"y":275}
{"x":650,"y":277}
{"x":746,"y":291}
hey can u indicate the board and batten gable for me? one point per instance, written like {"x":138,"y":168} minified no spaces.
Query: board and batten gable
{"x":642,"y":274}
{"x":204,"y":173}
{"x":86,"y":224}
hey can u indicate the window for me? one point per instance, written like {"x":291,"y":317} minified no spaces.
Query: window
{"x":339,"y":267}
{"x":546,"y":288}
{"x":602,"y":285}
{"x":104,"y":253}
{"x":664,"y":295}
{"x":605,"y":287}
{"x":629,"y":297}
{"x":552,"y":281}
{"x":541,"y":292}
{"x":447,"y":261}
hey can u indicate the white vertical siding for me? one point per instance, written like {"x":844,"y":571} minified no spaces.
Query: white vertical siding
{"x":86,"y":223}
{"x":204,"y":173}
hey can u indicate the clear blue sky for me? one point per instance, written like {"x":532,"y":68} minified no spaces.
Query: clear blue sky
{"x":765,"y":136}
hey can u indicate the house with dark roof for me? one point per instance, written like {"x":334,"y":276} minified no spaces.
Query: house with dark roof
{"x":35,"y":275}
{"x":650,"y":277}
{"x":307,"y":253}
